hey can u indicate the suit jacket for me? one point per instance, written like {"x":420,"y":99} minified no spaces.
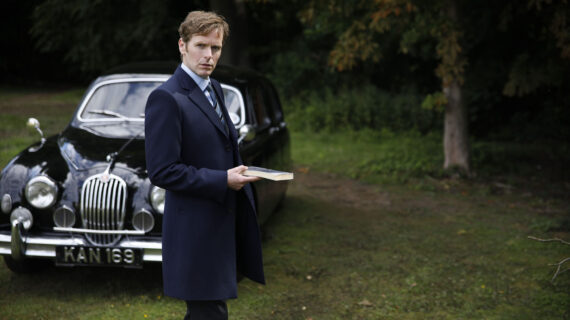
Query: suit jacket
{"x":209,"y":231}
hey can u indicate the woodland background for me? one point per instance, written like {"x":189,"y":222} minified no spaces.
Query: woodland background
{"x":469,"y":70}
{"x":389,"y":59}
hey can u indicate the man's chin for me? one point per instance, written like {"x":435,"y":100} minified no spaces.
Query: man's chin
{"x":204,"y":74}
{"x":206,"y":71}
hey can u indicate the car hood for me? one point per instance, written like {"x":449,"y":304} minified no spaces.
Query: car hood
{"x":84,"y":150}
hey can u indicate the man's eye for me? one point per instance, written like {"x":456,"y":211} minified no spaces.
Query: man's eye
{"x":215,"y":48}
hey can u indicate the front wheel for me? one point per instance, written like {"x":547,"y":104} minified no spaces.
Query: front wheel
{"x":24,"y":266}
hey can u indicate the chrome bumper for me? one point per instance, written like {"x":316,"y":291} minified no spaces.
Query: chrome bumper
{"x":19,"y":244}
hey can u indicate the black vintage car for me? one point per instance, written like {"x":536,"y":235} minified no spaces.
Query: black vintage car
{"x":82,"y":197}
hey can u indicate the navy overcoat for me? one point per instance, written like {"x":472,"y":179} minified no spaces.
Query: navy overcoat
{"x":209,"y":231}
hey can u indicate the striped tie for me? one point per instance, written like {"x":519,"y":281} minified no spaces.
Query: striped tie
{"x":214,"y":103}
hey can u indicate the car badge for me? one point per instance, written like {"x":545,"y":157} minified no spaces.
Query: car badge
{"x":105,"y":177}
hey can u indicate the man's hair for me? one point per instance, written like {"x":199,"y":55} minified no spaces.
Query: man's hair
{"x":202,"y":23}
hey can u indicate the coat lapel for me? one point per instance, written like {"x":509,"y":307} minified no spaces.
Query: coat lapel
{"x":199,"y":99}
{"x":220,"y":96}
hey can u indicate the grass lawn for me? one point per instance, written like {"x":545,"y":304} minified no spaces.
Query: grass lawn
{"x":370,"y":230}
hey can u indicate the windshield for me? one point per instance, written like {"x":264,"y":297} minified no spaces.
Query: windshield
{"x":115,"y":108}
{"x":125,"y":100}
{"x":118,"y":101}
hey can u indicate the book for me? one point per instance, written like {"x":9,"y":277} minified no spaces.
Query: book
{"x":268,"y":173}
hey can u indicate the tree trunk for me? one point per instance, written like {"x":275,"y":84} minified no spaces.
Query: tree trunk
{"x":235,"y":49}
{"x":455,"y":133}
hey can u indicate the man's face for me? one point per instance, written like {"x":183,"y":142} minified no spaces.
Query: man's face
{"x":202,"y":52}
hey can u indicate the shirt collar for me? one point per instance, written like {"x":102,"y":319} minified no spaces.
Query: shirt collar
{"x":201,"y":82}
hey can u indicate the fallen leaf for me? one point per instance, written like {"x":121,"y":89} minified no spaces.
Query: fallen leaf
{"x":365,"y":303}
{"x":303,"y":169}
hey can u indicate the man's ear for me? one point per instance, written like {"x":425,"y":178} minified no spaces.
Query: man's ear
{"x":181,"y":46}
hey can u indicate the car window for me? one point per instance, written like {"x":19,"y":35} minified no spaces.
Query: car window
{"x":260,"y":105}
{"x":235,"y":105}
{"x":273,"y":102}
{"x":118,"y":100}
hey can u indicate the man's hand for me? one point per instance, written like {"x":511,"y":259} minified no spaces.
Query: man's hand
{"x":236,"y":180}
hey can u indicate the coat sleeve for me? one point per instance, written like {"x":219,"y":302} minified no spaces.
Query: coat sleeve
{"x":163,"y":139}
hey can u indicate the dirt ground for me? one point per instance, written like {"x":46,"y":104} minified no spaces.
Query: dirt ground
{"x":346,"y":192}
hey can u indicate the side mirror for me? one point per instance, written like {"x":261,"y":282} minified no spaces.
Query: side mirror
{"x":246,"y":133}
{"x":34,"y":123}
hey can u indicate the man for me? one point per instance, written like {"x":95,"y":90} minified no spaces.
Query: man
{"x":210,"y":229}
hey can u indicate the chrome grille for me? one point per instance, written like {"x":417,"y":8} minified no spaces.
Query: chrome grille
{"x":103,"y":199}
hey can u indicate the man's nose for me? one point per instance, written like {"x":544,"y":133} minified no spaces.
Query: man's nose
{"x":208,"y":52}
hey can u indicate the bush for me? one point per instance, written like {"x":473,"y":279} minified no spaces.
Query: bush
{"x":365,"y":107}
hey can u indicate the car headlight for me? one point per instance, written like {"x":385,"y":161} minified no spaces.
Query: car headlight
{"x":157,"y":196}
{"x":41,"y":192}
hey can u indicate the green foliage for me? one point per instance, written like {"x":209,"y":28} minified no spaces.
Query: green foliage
{"x":526,"y":76}
{"x":96,"y":35}
{"x":365,"y":107}
{"x":513,"y":51}
{"x":298,"y":70}
{"x":518,"y":53}
{"x":435,"y":101}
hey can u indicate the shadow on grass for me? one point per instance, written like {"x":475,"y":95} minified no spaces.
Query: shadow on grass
{"x":83,"y":280}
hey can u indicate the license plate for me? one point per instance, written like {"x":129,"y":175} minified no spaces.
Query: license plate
{"x":98,"y":256}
